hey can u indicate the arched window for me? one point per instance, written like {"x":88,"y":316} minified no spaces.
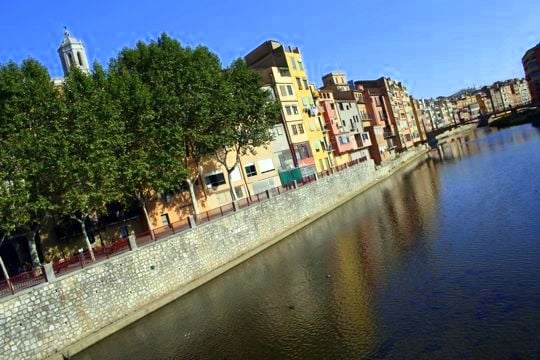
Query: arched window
{"x":79,"y":57}
{"x":70,"y":59}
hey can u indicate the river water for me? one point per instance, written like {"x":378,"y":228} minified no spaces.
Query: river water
{"x":440,"y":261}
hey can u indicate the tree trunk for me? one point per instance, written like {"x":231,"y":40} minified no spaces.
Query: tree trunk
{"x":33,"y":252}
{"x":231,"y":189}
{"x":4,"y":237}
{"x":143,"y":205}
{"x":193,"y":197}
{"x":4,"y":270}
{"x":30,"y":239}
{"x":86,"y":239}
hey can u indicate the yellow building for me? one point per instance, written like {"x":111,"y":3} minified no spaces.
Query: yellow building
{"x":255,"y":174}
{"x":283,"y":69}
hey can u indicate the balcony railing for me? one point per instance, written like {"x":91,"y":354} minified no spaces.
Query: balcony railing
{"x":389,"y":132}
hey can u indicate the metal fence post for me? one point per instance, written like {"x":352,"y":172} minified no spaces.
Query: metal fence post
{"x":268,"y":194}
{"x":81,"y":258}
{"x":295,"y":184}
{"x":235,"y":205}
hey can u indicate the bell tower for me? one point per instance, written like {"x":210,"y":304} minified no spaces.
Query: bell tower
{"x":72,"y":54}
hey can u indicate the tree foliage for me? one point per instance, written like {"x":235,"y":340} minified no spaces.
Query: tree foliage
{"x":29,"y":108}
{"x":89,"y":140}
{"x":136,"y":131}
{"x":250,"y":114}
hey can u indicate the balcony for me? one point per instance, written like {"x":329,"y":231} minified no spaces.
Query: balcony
{"x":363,"y":140}
{"x":309,"y":161}
{"x":281,"y":75}
{"x":389,"y":132}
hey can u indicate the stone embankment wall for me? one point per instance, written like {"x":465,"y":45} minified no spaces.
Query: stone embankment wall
{"x":82,"y":307}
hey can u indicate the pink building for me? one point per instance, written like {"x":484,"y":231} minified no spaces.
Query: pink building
{"x":342,"y":141}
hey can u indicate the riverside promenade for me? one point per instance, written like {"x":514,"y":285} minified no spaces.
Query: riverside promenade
{"x":74,"y":311}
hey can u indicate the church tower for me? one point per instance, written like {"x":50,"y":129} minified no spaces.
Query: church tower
{"x":72,"y":54}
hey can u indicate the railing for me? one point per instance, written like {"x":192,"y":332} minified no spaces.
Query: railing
{"x":22,"y":281}
{"x":389,"y":132}
{"x":81,"y":260}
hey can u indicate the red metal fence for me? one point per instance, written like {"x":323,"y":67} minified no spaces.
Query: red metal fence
{"x":81,"y":260}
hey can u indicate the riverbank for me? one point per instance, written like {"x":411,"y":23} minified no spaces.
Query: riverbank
{"x":78,"y":310}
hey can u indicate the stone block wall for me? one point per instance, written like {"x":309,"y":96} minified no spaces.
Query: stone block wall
{"x":41,"y":321}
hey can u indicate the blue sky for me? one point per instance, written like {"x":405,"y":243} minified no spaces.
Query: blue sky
{"x":435,"y":47}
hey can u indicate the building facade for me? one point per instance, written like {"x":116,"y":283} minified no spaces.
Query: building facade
{"x":283,"y":69}
{"x":400,"y":110}
{"x":352,"y":112}
{"x":531,"y":66}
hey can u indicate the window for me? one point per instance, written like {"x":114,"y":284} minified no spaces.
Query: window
{"x":284,"y":72}
{"x":165,"y":219}
{"x":295,"y":109}
{"x":251,"y":170}
{"x":365,"y":137}
{"x":300,"y":65}
{"x":288,"y":109}
{"x":283,"y":90}
{"x":294,"y":130}
{"x":70,"y":60}
{"x":214,"y":180}
{"x":306,"y":85}
{"x":79,"y":57}
{"x":299,"y":83}
{"x":341,"y":106}
{"x":266,"y":165}
{"x":311,"y":125}
{"x":332,"y":106}
{"x":293,"y":63}
{"x":290,"y":90}
{"x":300,"y":128}
{"x":302,"y":151}
{"x":316,"y":145}
{"x":239,"y":191}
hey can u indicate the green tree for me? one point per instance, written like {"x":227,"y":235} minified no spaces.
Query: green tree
{"x":90,"y":138}
{"x":29,"y":109}
{"x":201,"y":89}
{"x":250,"y":113}
{"x":153,"y":152}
